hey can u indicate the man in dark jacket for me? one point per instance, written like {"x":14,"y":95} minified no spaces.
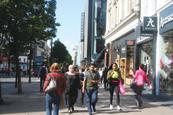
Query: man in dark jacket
{"x":42,"y":75}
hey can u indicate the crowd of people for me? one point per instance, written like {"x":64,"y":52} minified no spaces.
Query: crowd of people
{"x":87,"y":80}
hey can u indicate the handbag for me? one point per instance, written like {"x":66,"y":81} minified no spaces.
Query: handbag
{"x":122,"y":88}
{"x":52,"y":85}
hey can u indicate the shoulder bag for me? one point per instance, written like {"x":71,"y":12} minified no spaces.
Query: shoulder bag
{"x":52,"y":85}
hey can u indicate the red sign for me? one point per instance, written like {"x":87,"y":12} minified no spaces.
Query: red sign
{"x":130,"y":42}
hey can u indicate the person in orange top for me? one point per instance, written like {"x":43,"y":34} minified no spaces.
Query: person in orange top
{"x":53,"y":98}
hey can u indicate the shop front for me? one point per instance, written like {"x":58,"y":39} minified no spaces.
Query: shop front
{"x":165,"y":51}
{"x":123,"y":55}
{"x":145,"y":52}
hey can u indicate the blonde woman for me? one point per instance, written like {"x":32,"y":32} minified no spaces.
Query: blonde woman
{"x":53,"y":98}
{"x":73,"y":84}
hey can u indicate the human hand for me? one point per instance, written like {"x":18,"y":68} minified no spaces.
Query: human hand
{"x":150,"y":86}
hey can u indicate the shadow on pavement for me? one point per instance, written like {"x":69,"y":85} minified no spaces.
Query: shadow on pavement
{"x":30,"y":101}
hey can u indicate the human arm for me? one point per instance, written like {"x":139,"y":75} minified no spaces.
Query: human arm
{"x":95,"y":79}
{"x":147,"y":80}
{"x":84,"y":85}
{"x":46,"y":83}
{"x":109,"y":74}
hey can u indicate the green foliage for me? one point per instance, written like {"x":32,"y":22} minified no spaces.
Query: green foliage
{"x":23,"y":23}
{"x":60,"y":53}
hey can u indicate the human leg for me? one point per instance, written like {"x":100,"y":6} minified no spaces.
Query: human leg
{"x":111,"y":90}
{"x":41,"y":84}
{"x":94,"y":99}
{"x":88,"y":95}
{"x":138,"y":96}
{"x":48,"y":100}
{"x":117,"y":91}
{"x":74,"y":98}
{"x":56,"y":104}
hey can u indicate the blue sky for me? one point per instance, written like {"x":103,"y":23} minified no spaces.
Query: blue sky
{"x":68,"y":14}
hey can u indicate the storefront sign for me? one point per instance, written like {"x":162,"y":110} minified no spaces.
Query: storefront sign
{"x":150,"y":24}
{"x":143,"y":38}
{"x":166,"y":19}
{"x":130,"y":42}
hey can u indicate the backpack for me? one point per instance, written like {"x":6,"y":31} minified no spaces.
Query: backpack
{"x":139,"y":80}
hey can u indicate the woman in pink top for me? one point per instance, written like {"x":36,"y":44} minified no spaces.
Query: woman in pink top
{"x":140,"y":78}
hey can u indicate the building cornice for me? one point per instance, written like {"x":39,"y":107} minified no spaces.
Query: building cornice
{"x":133,"y":16}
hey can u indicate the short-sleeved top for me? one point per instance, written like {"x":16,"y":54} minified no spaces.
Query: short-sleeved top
{"x":113,"y":75}
{"x":72,"y":81}
{"x":89,"y":75}
{"x":60,"y":79}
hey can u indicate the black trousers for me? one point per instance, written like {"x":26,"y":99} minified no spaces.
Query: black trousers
{"x":114,"y":88}
{"x":41,"y":84}
{"x":138,"y":93}
{"x":71,"y":97}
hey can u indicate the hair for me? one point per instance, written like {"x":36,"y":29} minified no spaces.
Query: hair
{"x":141,"y":66}
{"x":110,"y":67}
{"x":55,"y":67}
{"x":71,"y":66}
{"x":92,"y":64}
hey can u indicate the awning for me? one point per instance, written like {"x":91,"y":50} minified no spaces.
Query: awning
{"x":100,"y":55}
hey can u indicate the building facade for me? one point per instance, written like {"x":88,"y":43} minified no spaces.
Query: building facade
{"x":141,"y":33}
{"x":120,"y":34}
{"x":164,"y":50}
{"x":93,"y":27}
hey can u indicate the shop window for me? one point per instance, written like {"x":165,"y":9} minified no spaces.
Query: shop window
{"x":166,"y":66}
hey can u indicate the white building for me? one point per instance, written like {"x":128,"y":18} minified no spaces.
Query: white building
{"x":23,"y":61}
{"x":122,"y":20}
{"x":141,"y":31}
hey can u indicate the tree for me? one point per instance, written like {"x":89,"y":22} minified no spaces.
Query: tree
{"x":60,"y":54}
{"x":24,"y":23}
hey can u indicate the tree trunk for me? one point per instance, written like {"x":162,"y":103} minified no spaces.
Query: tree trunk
{"x":15,"y":80}
{"x":1,"y":100}
{"x":29,"y":72}
{"x":9,"y":61}
{"x":30,"y":62}
{"x":18,"y":75}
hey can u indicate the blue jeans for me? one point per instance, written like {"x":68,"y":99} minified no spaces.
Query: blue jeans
{"x":52,"y":104}
{"x":91,"y":99}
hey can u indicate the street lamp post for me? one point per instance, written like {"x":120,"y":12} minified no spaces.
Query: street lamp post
{"x":75,"y":55}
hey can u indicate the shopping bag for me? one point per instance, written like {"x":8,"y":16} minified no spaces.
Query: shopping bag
{"x":122,"y":88}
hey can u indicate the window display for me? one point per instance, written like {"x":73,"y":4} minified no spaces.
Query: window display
{"x":166,"y":66}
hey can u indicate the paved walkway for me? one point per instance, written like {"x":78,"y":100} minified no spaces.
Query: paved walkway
{"x":31,"y":102}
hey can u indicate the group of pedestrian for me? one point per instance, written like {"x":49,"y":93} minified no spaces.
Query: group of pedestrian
{"x":88,"y":80}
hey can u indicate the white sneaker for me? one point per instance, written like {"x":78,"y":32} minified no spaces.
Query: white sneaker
{"x":118,"y":108}
{"x":111,"y":107}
